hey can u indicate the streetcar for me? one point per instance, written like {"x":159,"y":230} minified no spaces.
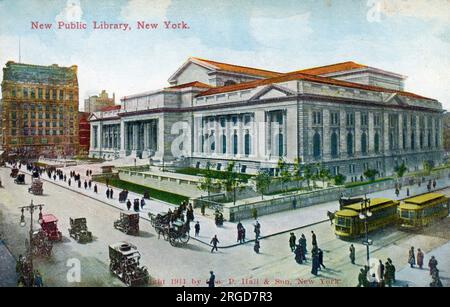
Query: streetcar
{"x":348,"y":223}
{"x":420,"y":211}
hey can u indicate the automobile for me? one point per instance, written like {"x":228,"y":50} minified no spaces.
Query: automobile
{"x":128,"y":223}
{"x":124,"y":263}
{"x":20,"y":179}
{"x":36,"y":187}
{"x":49,"y":226}
{"x":79,"y":230}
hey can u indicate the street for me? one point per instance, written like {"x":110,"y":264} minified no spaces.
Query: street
{"x":190,"y":265}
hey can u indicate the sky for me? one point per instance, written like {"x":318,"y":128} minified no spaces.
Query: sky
{"x":410,"y":37}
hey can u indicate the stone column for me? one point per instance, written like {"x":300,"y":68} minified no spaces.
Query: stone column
{"x":135,"y":136}
{"x":385,"y":132}
{"x":123,"y":138}
{"x":371,"y":136}
{"x":357,"y":134}
{"x":259,"y":132}
{"x":240,"y":136}
{"x":408,"y":132}
{"x":217,"y":133}
{"x":433,"y":132}
{"x":230,"y":133}
{"x":343,"y":135}
{"x":417,"y":133}
{"x":196,"y":135}
{"x":326,"y":135}
{"x":400,"y":132}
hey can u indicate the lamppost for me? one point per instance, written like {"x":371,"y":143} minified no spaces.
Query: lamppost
{"x":365,"y":215}
{"x":31,"y":208}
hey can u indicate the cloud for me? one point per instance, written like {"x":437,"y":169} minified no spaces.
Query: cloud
{"x":144,"y":9}
{"x":71,"y":12}
{"x":271,"y":32}
{"x":434,"y":10}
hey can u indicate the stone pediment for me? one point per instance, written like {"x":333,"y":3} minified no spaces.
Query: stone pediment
{"x":394,"y":98}
{"x":272,"y":91}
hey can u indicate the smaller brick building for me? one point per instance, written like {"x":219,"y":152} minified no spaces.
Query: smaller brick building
{"x":84,"y":133}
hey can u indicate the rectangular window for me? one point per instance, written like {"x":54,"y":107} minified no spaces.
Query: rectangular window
{"x":25,"y":92}
{"x":33,"y":93}
{"x":61,"y":94}
{"x":364,"y":119}
{"x":54,"y":94}
{"x":47,"y":93}
{"x":234,"y":119}
{"x":222,"y":122}
{"x":350,"y":119}
{"x":317,"y":117}
{"x":334,"y":118}
{"x":40,"y":96}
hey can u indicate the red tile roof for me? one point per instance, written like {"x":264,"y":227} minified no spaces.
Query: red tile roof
{"x":322,"y":70}
{"x":190,"y":84}
{"x":110,"y":108}
{"x":306,"y":77}
{"x":240,"y":69}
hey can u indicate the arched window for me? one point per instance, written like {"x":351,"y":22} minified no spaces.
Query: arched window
{"x":247,"y":141}
{"x":391,"y":141}
{"x":280,"y":145}
{"x":334,"y":145}
{"x":413,"y":141}
{"x":235,"y":144}
{"x":350,"y":144}
{"x":229,"y":82}
{"x":376,"y":145}
{"x":421,"y":139}
{"x":224,"y":144}
{"x":316,"y":145}
{"x":364,"y":143}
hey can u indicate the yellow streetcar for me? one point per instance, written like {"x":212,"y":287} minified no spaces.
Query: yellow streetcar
{"x":383,"y":211}
{"x":419,"y":211}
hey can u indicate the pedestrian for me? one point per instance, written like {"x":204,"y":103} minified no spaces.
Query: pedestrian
{"x":313,"y":238}
{"x":292,"y":241}
{"x":257,"y":246}
{"x":65,"y":178}
{"x":436,"y":281}
{"x":315,"y":260}
{"x":214,"y":242}
{"x":38,"y":280}
{"x":85,"y":184}
{"x":257,"y":230}
{"x":387,"y":274}
{"x":239,"y":234}
{"x":321,"y":260}
{"x":397,"y":192}
{"x":420,"y":258}
{"x":79,"y":184}
{"x":87,"y":173}
{"x":352,"y":253}
{"x":432,"y":264}
{"x":142,"y":203}
{"x":407,"y":192}
{"x":54,"y":177}
{"x":111,"y":193}
{"x":380,"y":271}
{"x":95,"y":188}
{"x":303,"y":241}
{"x":411,"y":257}
{"x":211,"y":280}
{"x":373,"y":281}
{"x":197,"y":229}
{"x":90,"y":184}
{"x":107,"y":193}
{"x":299,"y":256}
{"x":69,"y":182}
{"x":128,"y":204}
{"x":362,"y":278}
{"x":243,"y":234}
{"x":434,"y":184}
{"x":392,"y":266}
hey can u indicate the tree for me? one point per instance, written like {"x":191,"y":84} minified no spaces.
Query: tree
{"x":324,"y":174}
{"x":308,"y":173}
{"x":427,"y":167}
{"x":207,"y":182}
{"x":262,"y":181}
{"x":370,"y":174}
{"x":285,"y":175}
{"x":401,"y":170}
{"x":339,"y":179}
{"x":297,"y":176}
{"x":231,"y":181}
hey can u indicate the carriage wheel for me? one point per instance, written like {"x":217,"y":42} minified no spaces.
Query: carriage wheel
{"x":185,"y":238}
{"x":173,"y":241}
{"x":166,"y":235}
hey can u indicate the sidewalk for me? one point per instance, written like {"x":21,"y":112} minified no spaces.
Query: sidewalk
{"x":415,"y":277}
{"x":7,"y":267}
{"x":227,"y":234}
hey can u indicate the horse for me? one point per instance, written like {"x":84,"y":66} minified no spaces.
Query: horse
{"x":331,"y":216}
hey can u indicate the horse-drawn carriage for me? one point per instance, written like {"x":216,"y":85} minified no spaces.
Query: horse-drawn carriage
{"x":14,"y":172}
{"x":20,"y":179}
{"x":177,"y":232}
{"x":128,"y":223}
{"x":124,"y":263}
{"x":36,"y":187}
{"x":218,"y":218}
{"x":79,"y":230}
